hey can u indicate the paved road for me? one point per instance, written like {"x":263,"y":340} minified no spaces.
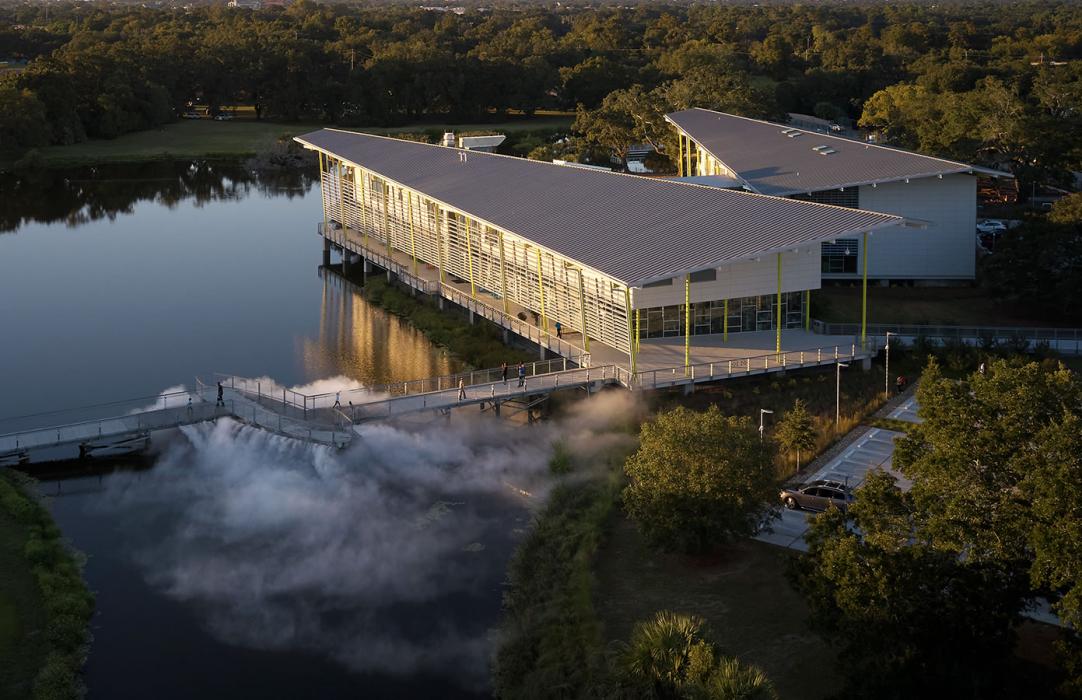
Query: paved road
{"x":872,"y":450}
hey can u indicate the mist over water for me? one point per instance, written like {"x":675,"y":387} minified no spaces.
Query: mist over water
{"x":367,"y":556}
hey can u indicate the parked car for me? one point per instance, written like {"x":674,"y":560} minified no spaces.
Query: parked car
{"x":992,"y":227}
{"x":223,"y":117}
{"x":818,"y":495}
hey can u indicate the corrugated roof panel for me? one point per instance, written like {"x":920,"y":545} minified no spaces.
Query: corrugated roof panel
{"x":631,"y":228}
{"x":773,"y":161}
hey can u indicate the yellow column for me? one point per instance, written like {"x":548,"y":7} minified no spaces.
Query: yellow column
{"x":469,"y":258}
{"x":503,"y":275}
{"x":322,"y":192}
{"x":582,"y":313}
{"x":725,"y":322}
{"x":687,"y":324}
{"x":440,"y":218}
{"x":638,"y":331}
{"x":413,"y":240}
{"x":340,"y":170}
{"x":777,"y":344}
{"x":541,"y":289}
{"x":631,"y":353}
{"x":359,"y":176}
{"x":680,"y":152}
{"x":386,"y":216}
{"x":864,"y":293}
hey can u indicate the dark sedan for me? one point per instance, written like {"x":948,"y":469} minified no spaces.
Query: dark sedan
{"x":818,"y":495}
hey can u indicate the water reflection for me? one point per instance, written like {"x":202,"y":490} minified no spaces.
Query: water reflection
{"x":359,"y":340}
{"x":78,"y":196}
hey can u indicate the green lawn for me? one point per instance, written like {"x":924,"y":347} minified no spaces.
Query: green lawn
{"x":743,"y":594}
{"x":22,"y":615}
{"x":918,"y":305}
{"x":201,"y":138}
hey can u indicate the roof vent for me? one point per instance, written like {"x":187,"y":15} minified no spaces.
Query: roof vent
{"x":824,"y":150}
{"x":791,"y":133}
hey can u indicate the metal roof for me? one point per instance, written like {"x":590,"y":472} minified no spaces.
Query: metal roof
{"x":780,"y":159}
{"x":633,"y":229}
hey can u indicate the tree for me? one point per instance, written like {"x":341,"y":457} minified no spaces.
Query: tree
{"x":22,"y":120}
{"x":1039,"y":265}
{"x":670,"y":657}
{"x":699,"y":479}
{"x":796,"y":430}
{"x":909,"y":619}
{"x":625,"y":118}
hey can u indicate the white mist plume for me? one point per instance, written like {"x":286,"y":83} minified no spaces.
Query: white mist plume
{"x":388,"y":557}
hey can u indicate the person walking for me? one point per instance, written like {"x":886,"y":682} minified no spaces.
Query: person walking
{"x":461,"y":389}
{"x":503,"y":372}
{"x":900,"y":383}
{"x":337,"y":399}
{"x":559,"y":330}
{"x":521,"y":374}
{"x":221,"y":393}
{"x":189,"y":406}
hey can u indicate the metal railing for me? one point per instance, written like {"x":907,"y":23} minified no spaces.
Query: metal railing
{"x":1062,"y":339}
{"x":744,"y":366}
{"x":493,"y":391}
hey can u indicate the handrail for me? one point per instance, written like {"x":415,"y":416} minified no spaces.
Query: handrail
{"x":946,"y":330}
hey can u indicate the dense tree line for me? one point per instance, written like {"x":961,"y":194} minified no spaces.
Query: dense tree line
{"x":958,"y":79}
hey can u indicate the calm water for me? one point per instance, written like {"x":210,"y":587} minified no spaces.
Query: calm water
{"x":242,"y":564}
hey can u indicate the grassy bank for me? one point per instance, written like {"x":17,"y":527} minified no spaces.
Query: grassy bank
{"x":44,"y":604}
{"x":205,"y":138}
{"x":479,"y":346}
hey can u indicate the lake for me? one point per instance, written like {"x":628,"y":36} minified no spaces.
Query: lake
{"x":232,"y":562}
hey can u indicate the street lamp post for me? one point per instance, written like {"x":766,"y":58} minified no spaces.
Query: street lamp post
{"x":886,"y":369}
{"x":838,"y":396}
{"x":762,"y":412}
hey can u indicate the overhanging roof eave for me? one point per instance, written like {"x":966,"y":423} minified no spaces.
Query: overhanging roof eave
{"x":897,"y":221}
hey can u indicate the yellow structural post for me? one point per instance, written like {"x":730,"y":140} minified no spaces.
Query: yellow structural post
{"x":680,"y":153}
{"x":687,"y":324}
{"x":582,"y":313}
{"x":631,"y":353}
{"x":638,"y":331}
{"x":864,"y":293}
{"x":469,"y":258}
{"x":413,"y":240}
{"x":541,"y":290}
{"x":690,"y":149}
{"x":341,"y":195}
{"x":503,"y":275}
{"x":807,"y":309}
{"x":440,"y":218}
{"x":386,"y":216}
{"x":322,"y":192}
{"x":777,"y":343}
{"x":359,"y":175}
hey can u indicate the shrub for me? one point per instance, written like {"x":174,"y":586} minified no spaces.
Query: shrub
{"x":698,"y":479}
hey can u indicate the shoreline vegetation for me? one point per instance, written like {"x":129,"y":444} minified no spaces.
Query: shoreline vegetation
{"x":479,"y":346}
{"x":45,"y":606}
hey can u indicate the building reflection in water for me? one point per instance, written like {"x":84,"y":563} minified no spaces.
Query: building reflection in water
{"x":364,"y":342}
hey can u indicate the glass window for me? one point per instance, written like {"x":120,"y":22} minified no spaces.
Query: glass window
{"x":840,"y":257}
{"x":662,"y":283}
{"x":704,"y":276}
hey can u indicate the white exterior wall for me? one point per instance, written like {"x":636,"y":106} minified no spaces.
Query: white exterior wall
{"x":944,"y":250}
{"x":799,"y":271}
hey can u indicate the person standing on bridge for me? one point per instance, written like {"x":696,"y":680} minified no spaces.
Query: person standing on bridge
{"x":503,"y":371}
{"x":189,"y":406}
{"x":559,"y":330}
{"x":461,"y":389}
{"x":521,"y":374}
{"x":221,"y":392}
{"x":337,"y":399}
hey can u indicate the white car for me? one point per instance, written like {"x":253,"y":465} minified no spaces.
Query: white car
{"x":991,"y":226}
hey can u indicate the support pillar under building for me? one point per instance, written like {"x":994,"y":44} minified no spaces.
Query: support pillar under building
{"x":326,"y":252}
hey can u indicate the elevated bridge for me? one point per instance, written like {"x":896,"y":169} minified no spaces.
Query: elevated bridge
{"x":331,"y":418}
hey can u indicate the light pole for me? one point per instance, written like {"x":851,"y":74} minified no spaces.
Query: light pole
{"x":762,"y":412}
{"x":886,"y":370}
{"x":838,"y":396}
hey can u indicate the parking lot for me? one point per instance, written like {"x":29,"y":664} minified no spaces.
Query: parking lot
{"x":874,"y":449}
